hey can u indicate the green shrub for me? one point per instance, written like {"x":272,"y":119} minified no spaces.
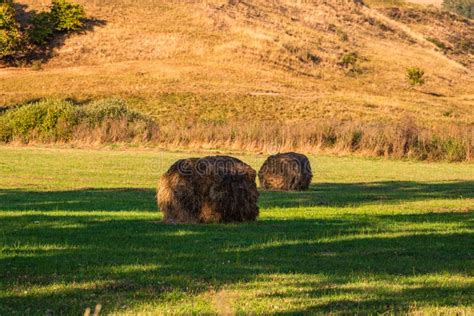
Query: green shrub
{"x":56,"y":120}
{"x":350,"y":62}
{"x":10,"y":35}
{"x":349,"y":59}
{"x":98,"y":111}
{"x":415,"y":76}
{"x":444,"y":148}
{"x":45,"y":120}
{"x":309,"y":58}
{"x":6,"y":132}
{"x":462,"y":7}
{"x":41,"y":27}
{"x":67,"y":16}
{"x":356,"y":139}
{"x":110,"y":109}
{"x":454,"y":150}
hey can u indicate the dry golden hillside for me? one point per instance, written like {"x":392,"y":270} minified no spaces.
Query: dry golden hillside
{"x":258,"y":59}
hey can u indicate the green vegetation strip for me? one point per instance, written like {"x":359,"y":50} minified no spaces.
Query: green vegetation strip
{"x":81,"y":227}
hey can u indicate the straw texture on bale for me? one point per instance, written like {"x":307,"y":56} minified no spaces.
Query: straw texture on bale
{"x":286,"y":172}
{"x":217,"y":189}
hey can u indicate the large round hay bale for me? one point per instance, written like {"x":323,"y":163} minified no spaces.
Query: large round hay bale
{"x":208,"y":190}
{"x":286,"y":172}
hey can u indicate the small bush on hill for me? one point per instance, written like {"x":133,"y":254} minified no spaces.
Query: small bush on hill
{"x":309,"y":58}
{"x":415,"y":76}
{"x":67,"y":16}
{"x":462,"y":7}
{"x":350,"y":61}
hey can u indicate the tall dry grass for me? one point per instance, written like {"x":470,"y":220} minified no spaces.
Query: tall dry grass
{"x":402,"y":139}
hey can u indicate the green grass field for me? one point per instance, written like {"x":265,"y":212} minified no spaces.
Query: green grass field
{"x":81,"y":227}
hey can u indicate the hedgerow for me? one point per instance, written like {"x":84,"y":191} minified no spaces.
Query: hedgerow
{"x":62,"y":121}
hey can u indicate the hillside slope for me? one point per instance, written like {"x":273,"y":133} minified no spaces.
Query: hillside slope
{"x":279,"y":60}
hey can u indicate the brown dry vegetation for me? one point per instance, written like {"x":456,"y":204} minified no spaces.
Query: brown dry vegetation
{"x":401,"y":139}
{"x":212,"y":72}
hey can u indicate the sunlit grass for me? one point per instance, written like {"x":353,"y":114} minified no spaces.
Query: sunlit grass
{"x":81,"y":227}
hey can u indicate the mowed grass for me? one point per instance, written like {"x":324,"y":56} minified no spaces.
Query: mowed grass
{"x":81,"y":227}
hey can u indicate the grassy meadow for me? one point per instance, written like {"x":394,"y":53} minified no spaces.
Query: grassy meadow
{"x":80,"y":227}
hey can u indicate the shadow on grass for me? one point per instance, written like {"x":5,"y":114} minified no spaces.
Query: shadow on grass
{"x":324,"y":194}
{"x":120,"y":262}
{"x":354,"y":194}
{"x":117,"y":199}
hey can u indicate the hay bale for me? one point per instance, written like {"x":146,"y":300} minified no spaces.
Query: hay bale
{"x":286,"y":172}
{"x":208,"y":190}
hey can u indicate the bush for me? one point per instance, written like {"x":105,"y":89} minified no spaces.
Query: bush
{"x":112,"y":109}
{"x":67,"y":16}
{"x":415,"y":76}
{"x":454,"y":150}
{"x":41,"y":27}
{"x":462,"y":7}
{"x":47,"y":120}
{"x":56,"y":120}
{"x":10,"y":34}
{"x":350,"y":61}
{"x":111,"y":120}
{"x":6,"y":132}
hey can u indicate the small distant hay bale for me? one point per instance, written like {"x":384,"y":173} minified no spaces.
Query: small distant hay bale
{"x":286,"y":172}
{"x":217,"y":189}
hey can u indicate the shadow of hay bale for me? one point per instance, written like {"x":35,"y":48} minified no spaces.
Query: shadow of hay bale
{"x":286,"y":172}
{"x":208,"y":190}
